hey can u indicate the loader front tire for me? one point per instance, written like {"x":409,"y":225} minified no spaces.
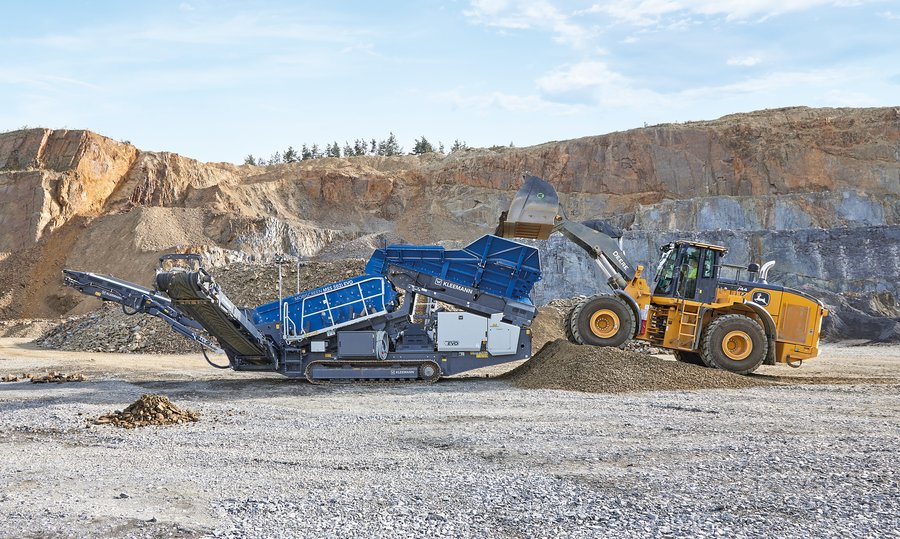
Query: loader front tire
{"x":734,"y":343}
{"x":602,"y":321}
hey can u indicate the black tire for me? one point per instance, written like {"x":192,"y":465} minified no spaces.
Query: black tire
{"x":740,"y":334}
{"x":567,"y":324}
{"x":689,"y":357}
{"x":429,"y":371}
{"x":602,"y":321}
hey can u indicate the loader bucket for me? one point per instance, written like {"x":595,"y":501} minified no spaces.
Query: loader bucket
{"x":532,"y":213}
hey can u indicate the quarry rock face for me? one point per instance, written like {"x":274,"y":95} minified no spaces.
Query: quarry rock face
{"x":48,"y":177}
{"x":817,"y":190}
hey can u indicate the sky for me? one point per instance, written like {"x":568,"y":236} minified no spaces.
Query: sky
{"x":219,"y":80}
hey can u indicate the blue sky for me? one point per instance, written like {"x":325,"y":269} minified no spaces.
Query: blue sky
{"x":218,"y":80}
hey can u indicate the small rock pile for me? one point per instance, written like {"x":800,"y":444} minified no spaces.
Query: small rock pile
{"x":563,"y":365}
{"x":149,"y":410}
{"x":51,"y":377}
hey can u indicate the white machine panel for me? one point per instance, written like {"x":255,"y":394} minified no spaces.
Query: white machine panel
{"x":460,"y":332}
{"x":503,"y":338}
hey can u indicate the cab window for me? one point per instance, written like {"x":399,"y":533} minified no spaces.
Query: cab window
{"x":691,"y":266}
{"x":709,"y":265}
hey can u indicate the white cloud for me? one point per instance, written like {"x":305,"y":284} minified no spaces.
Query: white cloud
{"x":506,"y":102}
{"x":523,"y":14}
{"x":239,"y":28}
{"x":771,"y":84}
{"x":889,"y":15}
{"x":745,"y":61}
{"x":184,"y":6}
{"x":27,"y":77}
{"x":651,"y":12}
{"x":594,"y":83}
{"x":579,"y":77}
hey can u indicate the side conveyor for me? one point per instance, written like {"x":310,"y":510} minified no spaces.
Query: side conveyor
{"x":195,"y":294}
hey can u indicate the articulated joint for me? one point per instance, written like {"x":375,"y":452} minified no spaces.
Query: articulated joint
{"x":634,"y":309}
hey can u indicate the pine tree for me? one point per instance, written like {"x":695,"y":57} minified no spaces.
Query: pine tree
{"x":389,"y":146}
{"x":315,"y":151}
{"x":290,"y":155}
{"x":359,"y":147}
{"x":457,"y":146}
{"x":422,"y":146}
{"x":441,"y":147}
{"x":374,"y":147}
{"x":305,"y":153}
{"x":250,"y":160}
{"x":334,"y":150}
{"x":348,"y":150}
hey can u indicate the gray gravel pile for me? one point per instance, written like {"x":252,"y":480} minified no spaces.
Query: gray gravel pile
{"x":108,"y":329}
{"x":477,"y":458}
{"x":563,"y":365}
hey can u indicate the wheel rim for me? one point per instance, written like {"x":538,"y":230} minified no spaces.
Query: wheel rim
{"x":604,"y":323}
{"x":737,"y":345}
{"x":427,"y":371}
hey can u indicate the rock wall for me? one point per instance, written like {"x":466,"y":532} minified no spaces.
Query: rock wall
{"x":48,"y":177}
{"x":815,"y":189}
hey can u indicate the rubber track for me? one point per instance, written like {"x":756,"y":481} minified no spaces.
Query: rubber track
{"x":371,"y":363}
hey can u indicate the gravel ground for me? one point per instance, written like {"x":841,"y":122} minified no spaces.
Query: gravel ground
{"x":272,"y":457}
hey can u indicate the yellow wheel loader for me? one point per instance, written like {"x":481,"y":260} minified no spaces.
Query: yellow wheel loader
{"x":691,"y":308}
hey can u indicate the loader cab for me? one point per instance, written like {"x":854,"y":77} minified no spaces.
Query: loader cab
{"x":688,"y":270}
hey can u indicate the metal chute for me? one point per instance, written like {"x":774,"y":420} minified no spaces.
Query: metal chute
{"x":533,"y":212}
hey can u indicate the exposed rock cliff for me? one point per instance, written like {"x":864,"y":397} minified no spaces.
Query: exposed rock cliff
{"x":815,"y":189}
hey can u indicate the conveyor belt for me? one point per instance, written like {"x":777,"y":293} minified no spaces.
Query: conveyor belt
{"x":221,"y":319}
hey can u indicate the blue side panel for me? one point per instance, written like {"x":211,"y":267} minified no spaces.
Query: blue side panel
{"x":332,"y":305}
{"x":492,"y":264}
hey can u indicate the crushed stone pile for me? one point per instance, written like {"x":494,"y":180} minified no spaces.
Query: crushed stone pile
{"x":149,"y":410}
{"x":25,"y":328}
{"x":51,"y":377}
{"x":563,"y":365}
{"x":108,"y":329}
{"x":550,"y":324}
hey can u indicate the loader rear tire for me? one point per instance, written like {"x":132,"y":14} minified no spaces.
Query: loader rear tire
{"x":692,"y":358}
{"x":602,"y":321}
{"x":734,"y":343}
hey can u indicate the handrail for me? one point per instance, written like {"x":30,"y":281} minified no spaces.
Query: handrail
{"x":301,"y":333}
